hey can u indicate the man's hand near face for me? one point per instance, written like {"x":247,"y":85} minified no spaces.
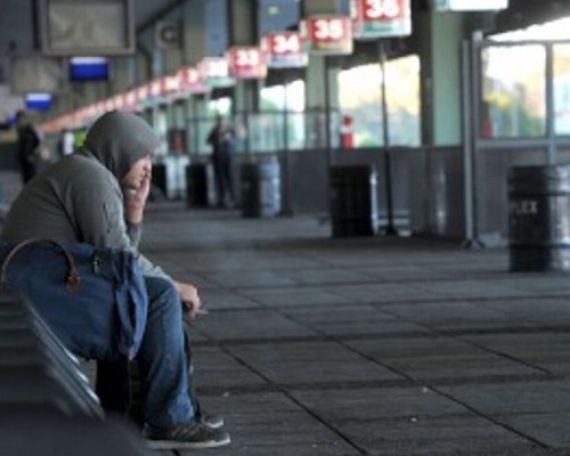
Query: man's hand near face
{"x":136,"y":188}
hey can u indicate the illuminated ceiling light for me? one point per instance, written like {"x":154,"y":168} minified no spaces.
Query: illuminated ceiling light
{"x":273,"y":10}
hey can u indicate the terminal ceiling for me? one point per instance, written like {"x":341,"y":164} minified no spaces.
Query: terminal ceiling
{"x":17,"y":33}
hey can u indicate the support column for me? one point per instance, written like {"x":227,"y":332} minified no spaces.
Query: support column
{"x":243,"y":28}
{"x":440,"y":51}
{"x":321,"y":83}
{"x":122,"y":72}
{"x":195,"y":33}
{"x":201,"y":37}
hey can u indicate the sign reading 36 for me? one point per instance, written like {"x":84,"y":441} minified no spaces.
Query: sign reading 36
{"x":382,"y":9}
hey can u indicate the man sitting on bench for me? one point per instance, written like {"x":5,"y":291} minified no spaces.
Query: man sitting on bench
{"x":97,"y":196}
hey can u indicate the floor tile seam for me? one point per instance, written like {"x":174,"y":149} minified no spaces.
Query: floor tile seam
{"x":328,"y":249}
{"x":507,"y":356}
{"x":298,"y":403}
{"x":487,"y":305}
{"x":242,"y":291}
{"x":206,"y":274}
{"x":290,"y":340}
{"x":481,"y":347}
{"x":359,"y":353}
{"x":318,"y":258}
{"x":426,"y":332}
{"x":509,"y":428}
{"x":492,"y":418}
{"x":336,"y":340}
{"x":380,"y":385}
{"x":536,"y":327}
{"x":375,"y":276}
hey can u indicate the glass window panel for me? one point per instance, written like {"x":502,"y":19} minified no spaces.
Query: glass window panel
{"x":514,"y":99}
{"x":200,"y":129}
{"x":360,"y":97}
{"x":295,"y":105}
{"x":403,"y":100}
{"x":281,"y":125}
{"x":561,"y":86}
{"x":266,"y":131}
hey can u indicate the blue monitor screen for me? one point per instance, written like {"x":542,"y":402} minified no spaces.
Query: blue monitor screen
{"x":38,"y":100}
{"x":88,"y":69}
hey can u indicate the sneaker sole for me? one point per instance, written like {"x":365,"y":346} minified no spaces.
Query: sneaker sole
{"x":176,"y":444}
{"x":217,"y":425}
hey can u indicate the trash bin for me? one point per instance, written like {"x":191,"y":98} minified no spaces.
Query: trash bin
{"x":197,"y":185}
{"x":539,"y":218}
{"x":159,"y":177}
{"x":353,"y":200}
{"x":261,"y":188}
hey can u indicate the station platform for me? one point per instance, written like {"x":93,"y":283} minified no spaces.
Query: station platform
{"x":314,"y":346}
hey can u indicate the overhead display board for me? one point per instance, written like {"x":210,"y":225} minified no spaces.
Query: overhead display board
{"x":39,"y":101}
{"x":327,"y":34}
{"x":374,"y":19}
{"x":35,"y":73}
{"x":87,"y":27}
{"x":85,"y":69}
{"x":284,"y":49}
{"x":471,"y":5}
{"x":247,"y":62}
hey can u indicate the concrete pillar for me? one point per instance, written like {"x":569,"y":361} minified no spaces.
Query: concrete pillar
{"x":243,"y":30}
{"x":440,"y":40}
{"x":204,"y":35}
{"x":204,"y":30}
{"x":321,"y":83}
{"x":122,"y":72}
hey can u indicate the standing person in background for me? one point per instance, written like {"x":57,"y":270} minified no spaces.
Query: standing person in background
{"x":221,"y":138}
{"x":66,"y":143}
{"x":28,"y":144}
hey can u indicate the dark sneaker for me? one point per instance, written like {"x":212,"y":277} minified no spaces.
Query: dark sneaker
{"x":193,"y":435}
{"x":212,"y":421}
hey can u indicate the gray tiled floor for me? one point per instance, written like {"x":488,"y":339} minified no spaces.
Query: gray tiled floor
{"x":381,"y":346}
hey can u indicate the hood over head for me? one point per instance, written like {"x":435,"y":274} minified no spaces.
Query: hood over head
{"x":118,"y":140}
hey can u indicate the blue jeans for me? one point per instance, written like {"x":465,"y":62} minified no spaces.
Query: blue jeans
{"x":167,"y":394}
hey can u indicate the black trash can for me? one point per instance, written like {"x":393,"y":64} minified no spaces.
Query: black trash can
{"x":197,"y":185}
{"x":159,"y":177}
{"x":539,"y":218}
{"x":261,"y":188}
{"x":353,"y":203}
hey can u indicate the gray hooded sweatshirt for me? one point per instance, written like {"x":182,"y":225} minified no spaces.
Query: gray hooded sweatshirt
{"x":79,"y":199}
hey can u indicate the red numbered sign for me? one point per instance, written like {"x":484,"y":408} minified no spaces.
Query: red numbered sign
{"x":170,"y":84}
{"x":131,"y":99}
{"x":155,"y":88}
{"x":215,"y":72}
{"x":191,"y":80}
{"x":284,"y":50}
{"x":214,"y":67}
{"x":381,"y":18}
{"x":142,"y":93}
{"x":247,"y":62}
{"x":119,"y":102}
{"x":328,"y":35}
{"x":109,"y":104}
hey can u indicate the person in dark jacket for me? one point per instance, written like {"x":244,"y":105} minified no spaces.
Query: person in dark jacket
{"x":222,"y":138}
{"x":97,"y":195}
{"x":28,"y":143}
